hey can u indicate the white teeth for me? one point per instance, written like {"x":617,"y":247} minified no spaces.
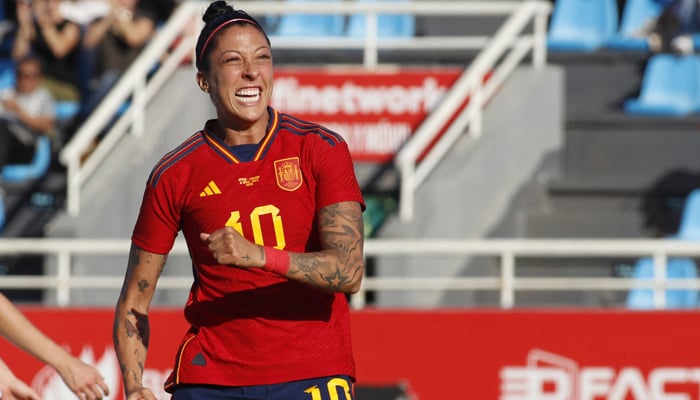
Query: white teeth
{"x":250,"y":95}
{"x":248,"y":92}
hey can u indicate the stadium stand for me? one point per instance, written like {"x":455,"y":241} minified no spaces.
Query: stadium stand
{"x":309,"y":25}
{"x":36,"y":169}
{"x":677,"y":268}
{"x":589,"y":187}
{"x":388,"y":25}
{"x":670,"y":86}
{"x":582,"y":25}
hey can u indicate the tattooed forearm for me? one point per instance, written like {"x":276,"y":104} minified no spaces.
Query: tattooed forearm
{"x":339,"y":267}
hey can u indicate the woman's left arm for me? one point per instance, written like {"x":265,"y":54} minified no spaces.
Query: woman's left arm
{"x":338,"y":267}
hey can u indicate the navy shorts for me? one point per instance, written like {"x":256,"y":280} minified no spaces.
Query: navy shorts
{"x":328,"y":388}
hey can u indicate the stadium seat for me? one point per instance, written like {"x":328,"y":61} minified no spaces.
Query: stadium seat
{"x":670,"y":87}
{"x":35,"y":169}
{"x":7,"y":74}
{"x":66,"y":110}
{"x":677,"y":268}
{"x":388,"y":25}
{"x":2,"y":210}
{"x":635,"y":15}
{"x":310,"y":25}
{"x":582,"y":25}
{"x":689,"y":228}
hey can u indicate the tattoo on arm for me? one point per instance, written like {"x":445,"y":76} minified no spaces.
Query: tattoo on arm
{"x":143,"y":285}
{"x":341,"y":230}
{"x":141,"y":330}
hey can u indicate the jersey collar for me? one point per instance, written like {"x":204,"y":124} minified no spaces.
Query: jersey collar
{"x":224,"y":151}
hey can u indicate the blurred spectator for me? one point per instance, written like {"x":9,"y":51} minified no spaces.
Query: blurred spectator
{"x":672,"y":30}
{"x":42,"y":31}
{"x":26,"y":112}
{"x":83,"y":12}
{"x":117,"y":39}
{"x":159,"y":9}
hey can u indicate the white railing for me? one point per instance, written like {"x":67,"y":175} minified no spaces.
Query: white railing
{"x":501,"y":55}
{"x":182,"y":27}
{"x":508,"y":251}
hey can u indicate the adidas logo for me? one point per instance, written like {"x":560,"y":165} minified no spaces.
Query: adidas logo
{"x":210,"y":189}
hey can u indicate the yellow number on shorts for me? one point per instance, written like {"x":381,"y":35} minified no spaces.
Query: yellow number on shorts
{"x":332,"y":387}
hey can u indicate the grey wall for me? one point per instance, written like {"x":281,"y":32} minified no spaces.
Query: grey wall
{"x":471,"y":189}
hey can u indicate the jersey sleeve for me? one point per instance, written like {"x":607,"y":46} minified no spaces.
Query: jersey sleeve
{"x":158,"y":221}
{"x":336,"y":177}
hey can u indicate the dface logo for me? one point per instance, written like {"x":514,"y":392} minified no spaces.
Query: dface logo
{"x":549,"y":376}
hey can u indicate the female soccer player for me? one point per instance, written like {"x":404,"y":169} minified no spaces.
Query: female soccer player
{"x":272,"y":214}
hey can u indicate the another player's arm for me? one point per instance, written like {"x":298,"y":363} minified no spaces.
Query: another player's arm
{"x":131,"y":328}
{"x":338,"y":267}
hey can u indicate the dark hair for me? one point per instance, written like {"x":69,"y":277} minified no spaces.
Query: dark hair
{"x":217,"y":15}
{"x":30,"y":59}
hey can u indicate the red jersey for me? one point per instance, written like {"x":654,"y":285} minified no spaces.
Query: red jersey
{"x":249,"y":326}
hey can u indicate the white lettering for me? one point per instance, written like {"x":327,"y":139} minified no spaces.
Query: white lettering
{"x":629,"y":380}
{"x":659,"y":378}
{"x":536,"y":382}
{"x":531,"y":384}
{"x":595,"y":382}
{"x":383,"y":137}
{"x":351,"y":98}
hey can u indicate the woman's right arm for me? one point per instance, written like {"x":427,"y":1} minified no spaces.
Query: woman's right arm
{"x":131,"y":329}
{"x":25,"y":31}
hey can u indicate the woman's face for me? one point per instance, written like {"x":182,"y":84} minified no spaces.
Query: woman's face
{"x":240,"y":79}
{"x":28,"y":76}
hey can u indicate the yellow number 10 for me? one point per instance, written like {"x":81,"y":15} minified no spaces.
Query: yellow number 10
{"x":234,"y":222}
{"x":332,"y":387}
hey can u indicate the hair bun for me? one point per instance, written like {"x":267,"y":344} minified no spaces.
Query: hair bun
{"x":216,"y":9}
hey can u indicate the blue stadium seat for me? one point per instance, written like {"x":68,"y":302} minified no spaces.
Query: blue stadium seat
{"x":35,"y":169}
{"x":2,"y":211}
{"x":670,"y":87}
{"x":66,"y":110}
{"x":677,"y":268}
{"x":310,"y":25}
{"x":7,"y":74}
{"x":582,"y":25}
{"x":689,"y":228}
{"x":635,"y":16}
{"x":388,"y":25}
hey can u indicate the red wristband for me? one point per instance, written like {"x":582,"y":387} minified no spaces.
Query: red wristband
{"x":276,"y":261}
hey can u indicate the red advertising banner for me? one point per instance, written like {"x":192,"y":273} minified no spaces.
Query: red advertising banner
{"x":375,"y":111}
{"x":440,"y":355}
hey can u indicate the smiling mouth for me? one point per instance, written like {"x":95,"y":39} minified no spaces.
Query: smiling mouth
{"x":248,"y":96}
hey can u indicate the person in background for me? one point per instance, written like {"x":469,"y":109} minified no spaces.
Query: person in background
{"x":159,"y":9}
{"x":115,"y":41}
{"x":271,"y":211}
{"x":26,"y":112}
{"x":82,"y":379}
{"x":672,"y":30}
{"x":43,"y":32}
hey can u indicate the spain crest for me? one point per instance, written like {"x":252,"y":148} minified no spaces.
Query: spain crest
{"x":288,"y":173}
